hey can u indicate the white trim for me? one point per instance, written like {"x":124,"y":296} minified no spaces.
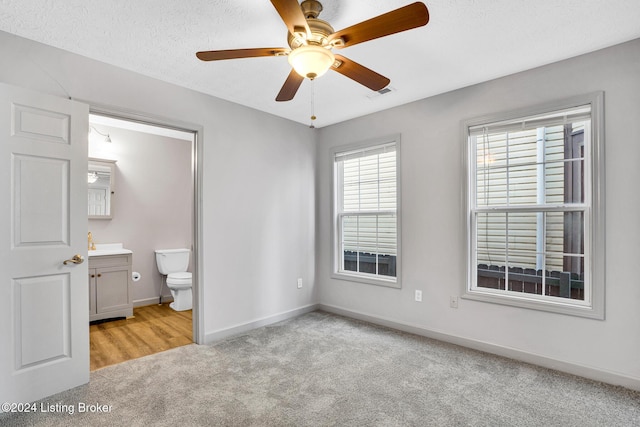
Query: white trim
{"x":136,"y":126}
{"x":367,"y":278}
{"x":606,"y":376}
{"x":151,"y":301}
{"x":241,"y":328}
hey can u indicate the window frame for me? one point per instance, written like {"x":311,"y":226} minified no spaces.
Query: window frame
{"x":379,"y":280}
{"x":594,"y":257}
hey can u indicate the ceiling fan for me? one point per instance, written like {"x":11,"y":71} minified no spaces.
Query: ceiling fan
{"x":311,"y":40}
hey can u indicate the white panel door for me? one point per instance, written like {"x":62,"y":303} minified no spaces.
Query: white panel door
{"x":44,"y":313}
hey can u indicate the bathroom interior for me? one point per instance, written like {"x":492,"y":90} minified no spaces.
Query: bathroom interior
{"x":140,"y":239}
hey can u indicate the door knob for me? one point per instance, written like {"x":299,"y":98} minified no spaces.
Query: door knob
{"x":77,"y":259}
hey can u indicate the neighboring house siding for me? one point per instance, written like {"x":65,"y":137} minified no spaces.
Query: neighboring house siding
{"x":525,"y":170}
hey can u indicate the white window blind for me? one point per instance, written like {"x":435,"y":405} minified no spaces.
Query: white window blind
{"x":560,"y":117}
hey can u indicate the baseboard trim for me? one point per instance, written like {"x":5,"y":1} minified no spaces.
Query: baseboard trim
{"x":211,"y":337}
{"x":511,"y":353}
{"x":151,"y":301}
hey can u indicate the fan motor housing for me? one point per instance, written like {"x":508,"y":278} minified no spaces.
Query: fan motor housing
{"x":320,"y":31}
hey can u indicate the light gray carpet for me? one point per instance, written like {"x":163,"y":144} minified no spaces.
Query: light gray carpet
{"x":324,"y":370}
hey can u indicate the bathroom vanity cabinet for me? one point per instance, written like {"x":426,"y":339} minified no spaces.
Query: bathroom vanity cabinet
{"x":110,"y":287}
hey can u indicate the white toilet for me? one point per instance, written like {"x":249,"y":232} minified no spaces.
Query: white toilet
{"x":173,"y":263}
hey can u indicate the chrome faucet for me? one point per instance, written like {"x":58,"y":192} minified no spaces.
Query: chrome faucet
{"x":91,"y":245}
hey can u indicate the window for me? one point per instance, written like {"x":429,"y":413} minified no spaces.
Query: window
{"x":535,"y":214}
{"x":366,"y":224}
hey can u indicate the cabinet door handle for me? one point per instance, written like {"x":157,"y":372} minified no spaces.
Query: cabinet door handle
{"x":99,"y":275}
{"x":93,"y":275}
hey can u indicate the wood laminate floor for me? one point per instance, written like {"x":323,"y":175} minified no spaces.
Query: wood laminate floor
{"x":152,"y":329}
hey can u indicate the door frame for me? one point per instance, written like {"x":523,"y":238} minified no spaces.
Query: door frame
{"x":197,"y":156}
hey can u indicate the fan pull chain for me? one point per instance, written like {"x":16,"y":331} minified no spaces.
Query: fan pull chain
{"x":313,"y":115}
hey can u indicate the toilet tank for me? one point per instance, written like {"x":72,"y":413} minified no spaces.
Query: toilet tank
{"x":172,"y":260}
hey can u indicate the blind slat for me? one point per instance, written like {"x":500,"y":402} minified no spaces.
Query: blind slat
{"x":561,"y":117}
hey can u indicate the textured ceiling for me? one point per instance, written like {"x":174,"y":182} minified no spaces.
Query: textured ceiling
{"x":465,"y":42}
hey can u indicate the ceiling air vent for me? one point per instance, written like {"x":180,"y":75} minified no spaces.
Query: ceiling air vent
{"x":379,"y":93}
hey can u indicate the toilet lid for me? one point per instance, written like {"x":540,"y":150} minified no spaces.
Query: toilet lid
{"x":181,"y":275}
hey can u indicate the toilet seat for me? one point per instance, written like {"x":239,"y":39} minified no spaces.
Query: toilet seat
{"x":177,"y":279}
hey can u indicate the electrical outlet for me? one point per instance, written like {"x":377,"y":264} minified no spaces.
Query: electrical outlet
{"x":299,"y":282}
{"x":418,"y":295}
{"x":453,"y":301}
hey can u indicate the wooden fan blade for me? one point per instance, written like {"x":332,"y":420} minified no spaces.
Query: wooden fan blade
{"x":217,"y":55}
{"x":291,"y":14}
{"x":360,"y":73}
{"x":402,"y":19}
{"x":290,"y":87}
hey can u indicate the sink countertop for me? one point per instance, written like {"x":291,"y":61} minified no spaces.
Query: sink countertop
{"x":103,"y":249}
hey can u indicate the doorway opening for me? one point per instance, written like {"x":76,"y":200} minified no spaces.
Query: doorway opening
{"x":153,"y":205}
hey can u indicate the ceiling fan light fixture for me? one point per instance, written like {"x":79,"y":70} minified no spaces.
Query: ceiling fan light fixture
{"x":311,"y":39}
{"x":311,"y":61}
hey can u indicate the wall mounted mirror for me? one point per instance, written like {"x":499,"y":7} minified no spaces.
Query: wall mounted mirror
{"x":101,"y":188}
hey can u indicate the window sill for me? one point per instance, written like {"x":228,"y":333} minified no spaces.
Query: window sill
{"x":559,"y":307}
{"x":392,"y":282}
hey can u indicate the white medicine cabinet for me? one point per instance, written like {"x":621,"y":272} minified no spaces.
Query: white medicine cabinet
{"x":101,"y":183}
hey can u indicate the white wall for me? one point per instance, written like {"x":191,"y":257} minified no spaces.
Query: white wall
{"x":258,"y":172}
{"x":433,"y":221}
{"x":153,"y":201}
